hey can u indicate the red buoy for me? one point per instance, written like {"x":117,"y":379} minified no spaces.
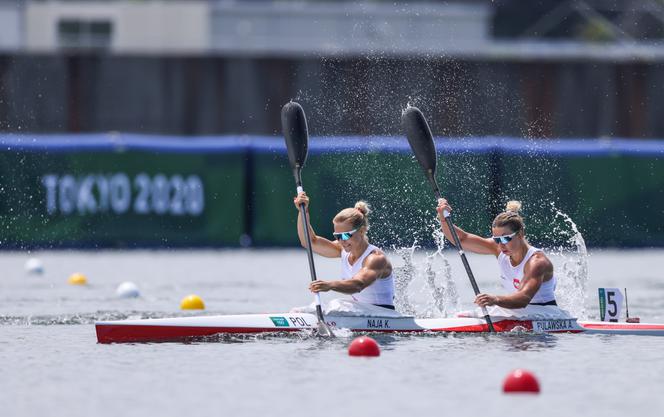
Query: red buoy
{"x":520,"y":380}
{"x":363,"y":346}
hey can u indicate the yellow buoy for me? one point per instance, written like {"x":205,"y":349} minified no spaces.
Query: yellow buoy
{"x":77,"y":279}
{"x":192,"y":302}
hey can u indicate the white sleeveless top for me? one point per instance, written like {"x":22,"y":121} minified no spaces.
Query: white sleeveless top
{"x":382,"y":289}
{"x":511,"y":277}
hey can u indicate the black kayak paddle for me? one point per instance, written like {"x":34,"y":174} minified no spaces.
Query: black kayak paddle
{"x":421,"y":142}
{"x":294,"y":126}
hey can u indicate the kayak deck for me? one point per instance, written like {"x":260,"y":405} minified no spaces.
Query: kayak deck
{"x":182,"y":328}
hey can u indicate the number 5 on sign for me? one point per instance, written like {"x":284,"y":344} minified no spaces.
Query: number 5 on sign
{"x":610,"y":304}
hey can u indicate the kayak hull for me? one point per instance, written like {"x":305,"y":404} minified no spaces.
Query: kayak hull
{"x":183,"y":328}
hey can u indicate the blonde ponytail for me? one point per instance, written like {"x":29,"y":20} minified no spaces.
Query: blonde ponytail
{"x":513,"y":206}
{"x":511,"y":217}
{"x":363,"y":207}
{"x":357,"y":215}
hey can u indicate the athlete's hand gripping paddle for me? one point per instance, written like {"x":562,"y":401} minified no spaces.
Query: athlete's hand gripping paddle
{"x":294,"y":126}
{"x":421,"y":142}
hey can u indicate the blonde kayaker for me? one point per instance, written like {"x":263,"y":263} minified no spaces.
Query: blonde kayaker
{"x":366,"y":273}
{"x":525,"y":271}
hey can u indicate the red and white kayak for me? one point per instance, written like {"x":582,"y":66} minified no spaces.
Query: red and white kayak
{"x":183,"y":328}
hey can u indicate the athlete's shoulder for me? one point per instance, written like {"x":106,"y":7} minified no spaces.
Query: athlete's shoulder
{"x":376,"y":259}
{"x":539,"y":263}
{"x":539,"y":256}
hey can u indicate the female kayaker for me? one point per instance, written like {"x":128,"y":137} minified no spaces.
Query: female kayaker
{"x":525,"y":271}
{"x":366,"y":273}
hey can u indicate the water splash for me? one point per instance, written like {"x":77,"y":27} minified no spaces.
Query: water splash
{"x":573,"y":275}
{"x":409,"y":103}
{"x":81,"y":318}
{"x":438,"y":295}
{"x":403,"y":276}
{"x":444,"y":292}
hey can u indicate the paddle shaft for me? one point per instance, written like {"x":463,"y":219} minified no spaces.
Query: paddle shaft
{"x":310,"y":253}
{"x":457,"y":243}
{"x":296,"y":135}
{"x":626,"y":306}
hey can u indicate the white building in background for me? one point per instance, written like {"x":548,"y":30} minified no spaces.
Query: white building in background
{"x":11,"y":30}
{"x":244,"y":27}
{"x":126,"y":27}
{"x":455,"y":29}
{"x":348,"y":28}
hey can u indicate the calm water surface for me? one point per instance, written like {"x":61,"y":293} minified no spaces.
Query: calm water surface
{"x":52,"y":366}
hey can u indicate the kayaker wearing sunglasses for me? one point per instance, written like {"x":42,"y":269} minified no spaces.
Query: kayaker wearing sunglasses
{"x":366,"y":273}
{"x":525,"y":271}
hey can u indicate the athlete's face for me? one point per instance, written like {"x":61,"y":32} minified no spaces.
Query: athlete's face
{"x":506,"y":239}
{"x":347,"y":235}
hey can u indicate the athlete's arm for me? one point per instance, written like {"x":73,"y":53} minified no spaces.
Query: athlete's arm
{"x":319,"y":245}
{"x":469,"y":241}
{"x":537,"y":270}
{"x":375,"y":266}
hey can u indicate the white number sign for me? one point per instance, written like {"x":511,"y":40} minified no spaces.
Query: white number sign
{"x":610,"y":304}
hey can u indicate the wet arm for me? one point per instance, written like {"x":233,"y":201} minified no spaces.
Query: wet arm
{"x":470,"y":241}
{"x":534,"y":275}
{"x":319,"y":245}
{"x":375,"y":266}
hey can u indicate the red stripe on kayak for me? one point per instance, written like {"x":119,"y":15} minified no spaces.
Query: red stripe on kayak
{"x":131,"y":333}
{"x":622,"y":326}
{"x":499,"y":326}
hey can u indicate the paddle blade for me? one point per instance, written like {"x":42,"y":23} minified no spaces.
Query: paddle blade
{"x":419,"y":137}
{"x":323,"y":330}
{"x":294,"y":127}
{"x":421,"y":142}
